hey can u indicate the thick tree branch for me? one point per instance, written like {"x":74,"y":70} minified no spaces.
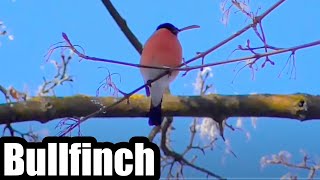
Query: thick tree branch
{"x":43,"y":109}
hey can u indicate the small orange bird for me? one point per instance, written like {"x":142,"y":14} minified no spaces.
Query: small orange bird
{"x":162,"y":49}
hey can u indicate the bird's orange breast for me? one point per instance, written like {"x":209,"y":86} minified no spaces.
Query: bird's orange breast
{"x":162,"y":49}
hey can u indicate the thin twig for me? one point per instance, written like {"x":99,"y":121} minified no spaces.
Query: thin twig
{"x":189,"y":68}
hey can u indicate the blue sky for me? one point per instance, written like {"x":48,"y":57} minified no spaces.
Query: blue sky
{"x":36,"y":25}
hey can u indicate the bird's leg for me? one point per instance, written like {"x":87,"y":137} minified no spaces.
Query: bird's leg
{"x":169,"y":71}
{"x":149,"y":83}
{"x":148,"y":87}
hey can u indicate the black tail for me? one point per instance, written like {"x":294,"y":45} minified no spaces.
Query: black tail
{"x":155,"y":115}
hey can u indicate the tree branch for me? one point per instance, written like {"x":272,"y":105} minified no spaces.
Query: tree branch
{"x":123,"y":25}
{"x":255,"y":57}
{"x":179,"y":157}
{"x":284,"y":158}
{"x":43,"y":109}
{"x":5,"y":93}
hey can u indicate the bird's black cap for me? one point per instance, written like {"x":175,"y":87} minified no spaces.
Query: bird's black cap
{"x":174,"y":30}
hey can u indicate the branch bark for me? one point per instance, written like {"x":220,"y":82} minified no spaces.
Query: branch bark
{"x":44,"y":109}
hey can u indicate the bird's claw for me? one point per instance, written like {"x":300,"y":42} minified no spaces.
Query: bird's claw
{"x":149,"y":83}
